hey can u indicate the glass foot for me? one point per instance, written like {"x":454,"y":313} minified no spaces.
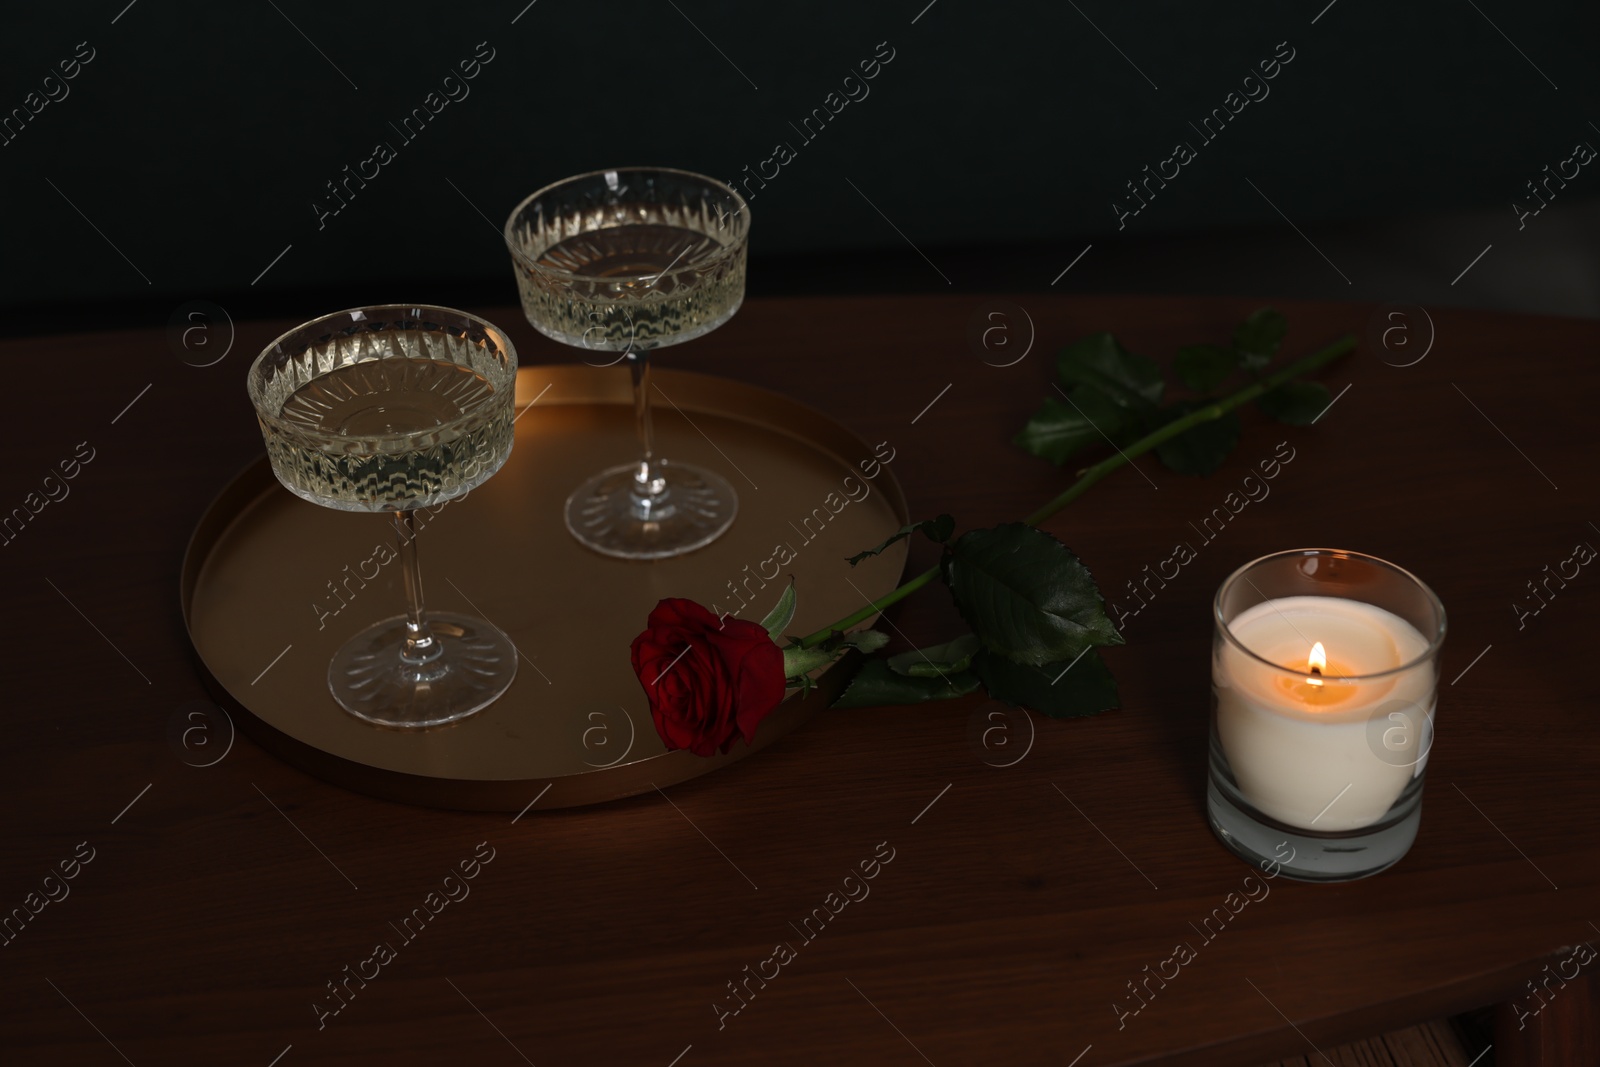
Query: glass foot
{"x":694,"y":509}
{"x":477,"y":663}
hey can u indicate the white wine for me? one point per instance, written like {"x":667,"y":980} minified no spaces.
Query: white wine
{"x":396,"y":407}
{"x":636,"y":287}
{"x":620,"y":263}
{"x":386,"y":435}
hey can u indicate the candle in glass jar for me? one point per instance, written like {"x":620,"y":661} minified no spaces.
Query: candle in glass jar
{"x":1316,"y":720}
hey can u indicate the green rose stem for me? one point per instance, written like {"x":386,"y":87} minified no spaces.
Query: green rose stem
{"x":1105,"y":467}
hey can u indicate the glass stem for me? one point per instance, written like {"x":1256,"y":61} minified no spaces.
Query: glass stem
{"x":648,"y":485}
{"x":421,"y":648}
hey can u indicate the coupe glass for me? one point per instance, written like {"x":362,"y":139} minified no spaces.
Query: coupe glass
{"x":392,"y":409}
{"x":621,"y":262}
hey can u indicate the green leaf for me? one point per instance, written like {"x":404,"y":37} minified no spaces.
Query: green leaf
{"x":1204,"y":367}
{"x":1058,"y":429}
{"x":1132,"y":381}
{"x":1202,"y":449}
{"x":936,"y":661}
{"x":1060,"y":690}
{"x":781,"y":615}
{"x":1296,"y":403}
{"x":936,"y":529}
{"x":799,"y":662}
{"x":1026,"y":595}
{"x":875,"y":685}
{"x":865,"y":640}
{"x":1258,"y":337}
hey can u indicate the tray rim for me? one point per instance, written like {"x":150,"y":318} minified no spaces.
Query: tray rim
{"x":246,"y":488}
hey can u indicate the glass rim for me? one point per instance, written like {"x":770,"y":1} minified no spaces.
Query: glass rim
{"x":1434,"y":643}
{"x":522,"y":259}
{"x":349,"y":315}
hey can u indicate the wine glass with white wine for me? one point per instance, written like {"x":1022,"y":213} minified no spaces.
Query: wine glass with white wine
{"x":392,"y":409}
{"x":625,"y":261}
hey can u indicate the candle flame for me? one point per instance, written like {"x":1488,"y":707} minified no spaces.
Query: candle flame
{"x":1318,"y":661}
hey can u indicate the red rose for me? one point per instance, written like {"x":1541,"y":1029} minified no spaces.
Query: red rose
{"x":707,"y":682}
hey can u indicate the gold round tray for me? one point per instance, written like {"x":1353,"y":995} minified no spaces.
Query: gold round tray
{"x":273,"y":585}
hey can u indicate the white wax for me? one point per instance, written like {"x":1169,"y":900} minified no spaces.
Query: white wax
{"x":1333,"y":757}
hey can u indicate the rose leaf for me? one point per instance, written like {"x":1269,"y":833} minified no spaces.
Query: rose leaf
{"x":936,"y":661}
{"x":1204,"y":367}
{"x":865,"y":640}
{"x":1134,"y":382}
{"x":1060,"y":428}
{"x":875,"y":685}
{"x":1026,"y":595}
{"x":1202,"y":448}
{"x":1296,"y":403}
{"x":1060,"y":690}
{"x":1257,"y":339}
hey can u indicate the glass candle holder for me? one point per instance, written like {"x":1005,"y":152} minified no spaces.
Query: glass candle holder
{"x":1324,"y":675}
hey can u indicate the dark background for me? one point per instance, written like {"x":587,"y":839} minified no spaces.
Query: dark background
{"x":183,"y":166}
{"x":193,"y":145}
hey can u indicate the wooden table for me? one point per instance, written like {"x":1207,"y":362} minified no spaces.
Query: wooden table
{"x":1020,"y":900}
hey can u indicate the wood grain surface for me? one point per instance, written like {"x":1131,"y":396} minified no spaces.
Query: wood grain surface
{"x":220,"y":901}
